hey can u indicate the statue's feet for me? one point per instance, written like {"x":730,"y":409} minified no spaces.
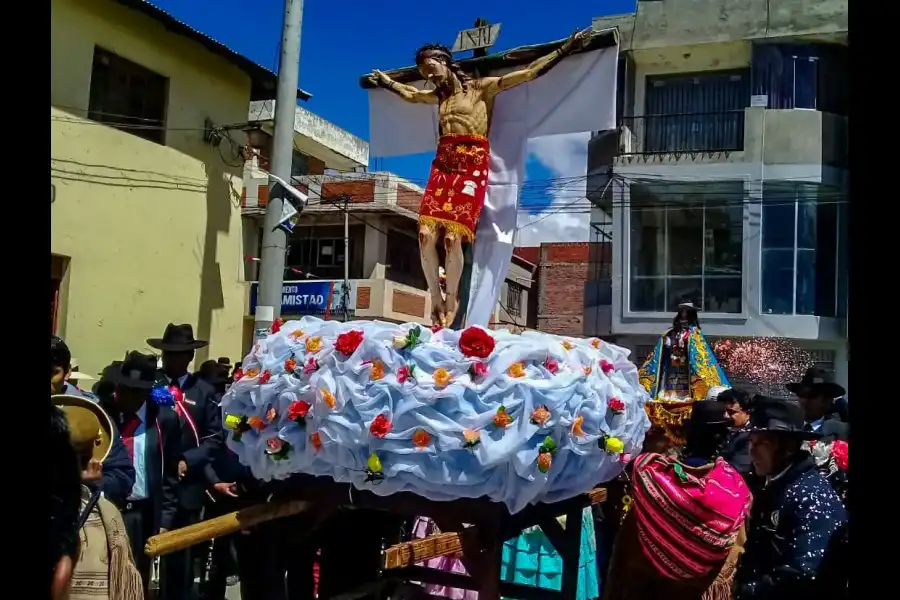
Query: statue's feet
{"x":452,"y":307}
{"x":438,"y":312}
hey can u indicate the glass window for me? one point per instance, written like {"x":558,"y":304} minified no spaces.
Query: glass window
{"x":799,"y":270}
{"x":686,"y":246}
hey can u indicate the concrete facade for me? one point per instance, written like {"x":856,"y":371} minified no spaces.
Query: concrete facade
{"x":779,"y":148}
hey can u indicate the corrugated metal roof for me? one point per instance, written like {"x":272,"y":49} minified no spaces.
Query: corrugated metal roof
{"x":264,"y":80}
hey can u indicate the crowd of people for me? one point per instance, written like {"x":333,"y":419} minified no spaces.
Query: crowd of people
{"x":746,"y":499}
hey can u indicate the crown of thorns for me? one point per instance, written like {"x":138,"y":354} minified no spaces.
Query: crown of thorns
{"x":435,"y":49}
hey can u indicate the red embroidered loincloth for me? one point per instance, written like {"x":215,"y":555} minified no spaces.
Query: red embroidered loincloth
{"x":457,"y":185}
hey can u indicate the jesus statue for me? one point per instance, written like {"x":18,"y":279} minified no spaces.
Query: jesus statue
{"x":457,"y":184}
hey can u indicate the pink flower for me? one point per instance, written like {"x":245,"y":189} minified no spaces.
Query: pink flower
{"x":403,"y":374}
{"x":311,"y":366}
{"x":478,"y":370}
{"x":551,"y":365}
{"x":607,"y":366}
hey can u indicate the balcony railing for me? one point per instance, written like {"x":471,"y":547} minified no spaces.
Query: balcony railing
{"x":695,"y":132}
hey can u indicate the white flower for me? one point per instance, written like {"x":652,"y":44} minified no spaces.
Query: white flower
{"x":399,"y":342}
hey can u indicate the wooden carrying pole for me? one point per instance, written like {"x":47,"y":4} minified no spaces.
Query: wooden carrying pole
{"x":179,"y":539}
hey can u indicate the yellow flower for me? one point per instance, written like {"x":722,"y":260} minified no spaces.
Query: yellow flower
{"x":568,"y":345}
{"x":232,"y":421}
{"x":251,"y":372}
{"x":328,"y":398}
{"x":516,"y":370}
{"x":447,"y":207}
{"x":313,"y":344}
{"x":442,"y":377}
{"x":377,"y":370}
{"x":297,"y":334}
{"x":614,"y":445}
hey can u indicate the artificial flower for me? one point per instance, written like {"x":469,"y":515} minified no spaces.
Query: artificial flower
{"x":251,"y":373}
{"x":421,"y":439}
{"x":840,"y":450}
{"x":233,"y":421}
{"x":476,"y":342}
{"x":607,"y":366}
{"x":237,"y":375}
{"x":616,"y":405}
{"x":265,"y":377}
{"x":472,"y":438}
{"x":544,"y":461}
{"x":297,"y":334}
{"x":595,"y":344}
{"x":311,"y":366}
{"x":548,"y":445}
{"x":348,"y":342}
{"x":540,"y":416}
{"x":316,"y":441}
{"x":373,"y":464}
{"x":625,"y":459}
{"x":297,"y":411}
{"x":162,"y":396}
{"x":442,"y":377}
{"x":328,"y":398}
{"x":399,"y":343}
{"x":238,"y":425}
{"x":276,"y":325}
{"x":587,"y":369}
{"x":436,"y":328}
{"x":551,"y":365}
{"x":271,"y":414}
{"x":412,"y":338}
{"x":516,"y":370}
{"x":577,"y":430}
{"x":611,"y":444}
{"x":478,"y":370}
{"x":377,"y":371}
{"x":567,"y":345}
{"x":256,"y":423}
{"x":404,"y":373}
{"x":380,"y":427}
{"x":313,"y":344}
{"x":277,"y":448}
{"x":502,"y":418}
{"x":289,"y":365}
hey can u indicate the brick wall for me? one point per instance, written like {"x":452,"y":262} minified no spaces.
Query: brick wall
{"x":562,"y":274}
{"x":359,"y":191}
{"x":409,"y":199}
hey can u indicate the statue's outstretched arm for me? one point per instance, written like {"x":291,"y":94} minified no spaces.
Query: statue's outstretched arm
{"x":495,"y":85}
{"x":406,"y":92}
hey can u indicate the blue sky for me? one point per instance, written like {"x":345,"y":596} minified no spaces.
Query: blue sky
{"x":343,"y":39}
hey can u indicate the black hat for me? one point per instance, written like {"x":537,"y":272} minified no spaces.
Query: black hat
{"x":224,"y":361}
{"x":817,"y":381}
{"x":137,"y":371}
{"x":177,"y":338}
{"x":708,"y":413}
{"x":778,"y":415}
{"x":212,"y":372}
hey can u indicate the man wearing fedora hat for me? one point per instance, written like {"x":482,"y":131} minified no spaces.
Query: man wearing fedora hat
{"x":201,"y":439}
{"x":817,"y":392}
{"x":797,"y":521}
{"x":152,"y":435}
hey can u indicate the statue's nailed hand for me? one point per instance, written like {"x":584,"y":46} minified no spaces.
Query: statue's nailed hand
{"x":576,"y":41}
{"x":379,"y":79}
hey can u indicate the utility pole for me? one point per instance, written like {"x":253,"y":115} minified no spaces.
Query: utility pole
{"x":271,"y":270}
{"x":346,"y":290}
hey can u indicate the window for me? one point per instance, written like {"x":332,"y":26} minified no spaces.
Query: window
{"x":513,"y":299}
{"x":307,"y":254}
{"x":687,"y":246}
{"x":800,"y":249}
{"x":788,"y":74}
{"x":127,"y":96}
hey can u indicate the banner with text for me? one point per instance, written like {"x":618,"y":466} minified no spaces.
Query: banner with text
{"x":311,"y":298}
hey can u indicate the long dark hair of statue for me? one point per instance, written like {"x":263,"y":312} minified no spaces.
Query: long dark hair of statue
{"x":443,"y":53}
{"x":690,"y":314}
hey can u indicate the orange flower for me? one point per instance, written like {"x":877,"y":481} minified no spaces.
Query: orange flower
{"x":256,"y":423}
{"x":377,"y":370}
{"x":588,"y":369}
{"x":516,"y":370}
{"x":313,"y":344}
{"x":567,"y":345}
{"x":289,"y":365}
{"x":271,"y":414}
{"x":502,"y":418}
{"x":576,"y":426}
{"x":328,"y":398}
{"x":473,"y":438}
{"x":297,"y":334}
{"x":251,"y":373}
{"x":421,"y":438}
{"x":316,"y":440}
{"x":595,"y":344}
{"x":545,"y":459}
{"x":540,"y":416}
{"x":442,"y":377}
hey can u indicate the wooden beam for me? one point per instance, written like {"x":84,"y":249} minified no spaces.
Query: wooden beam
{"x":408,"y":554}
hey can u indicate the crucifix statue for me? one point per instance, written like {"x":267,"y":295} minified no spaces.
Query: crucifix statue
{"x":457,"y":184}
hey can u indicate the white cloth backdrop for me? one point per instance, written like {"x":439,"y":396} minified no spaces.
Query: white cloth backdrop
{"x":578,"y":95}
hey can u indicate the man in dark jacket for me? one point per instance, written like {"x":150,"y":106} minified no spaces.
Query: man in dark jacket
{"x":118,"y":470}
{"x":201,"y":427}
{"x":797,"y":521}
{"x":817,"y":393}
{"x":737,"y":450}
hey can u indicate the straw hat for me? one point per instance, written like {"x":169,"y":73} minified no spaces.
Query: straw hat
{"x":90,"y":428}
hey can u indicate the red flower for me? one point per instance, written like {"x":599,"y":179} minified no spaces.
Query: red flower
{"x":177,"y":394}
{"x":348,"y":342}
{"x":607,"y":366}
{"x":276,"y":325}
{"x":402,"y":374}
{"x":478,"y":370}
{"x":380,"y":427}
{"x":840,"y":452}
{"x":436,"y":328}
{"x":237,"y":375}
{"x":616,"y":405}
{"x":551,"y":365}
{"x":265,"y":377}
{"x":289,"y":365}
{"x":476,"y":342}
{"x":297,"y":411}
